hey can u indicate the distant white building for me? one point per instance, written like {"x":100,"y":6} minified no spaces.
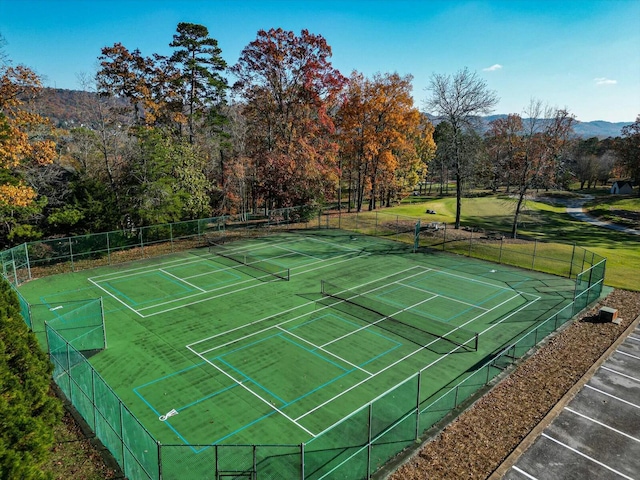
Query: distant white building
{"x":622,"y":187}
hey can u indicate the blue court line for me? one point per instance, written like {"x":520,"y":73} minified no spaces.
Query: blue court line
{"x":117,"y":292}
{"x":166,"y":421}
{"x":170,"y":375}
{"x":397,"y":344}
{"x":259,"y":385}
{"x":348,"y":322}
{"x":313,"y":352}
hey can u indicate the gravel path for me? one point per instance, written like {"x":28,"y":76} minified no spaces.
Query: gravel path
{"x":480,"y":439}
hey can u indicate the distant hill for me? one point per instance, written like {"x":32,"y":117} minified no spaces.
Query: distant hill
{"x":65,"y":108}
{"x":597,"y":128}
{"x":69,"y":109}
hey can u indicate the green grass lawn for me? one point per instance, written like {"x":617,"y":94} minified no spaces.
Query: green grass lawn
{"x":548,"y":222}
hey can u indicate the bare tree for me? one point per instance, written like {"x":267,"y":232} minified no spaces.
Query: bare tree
{"x":459,"y":100}
{"x":545,"y":135}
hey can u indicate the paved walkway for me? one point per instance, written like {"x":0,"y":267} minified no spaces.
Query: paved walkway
{"x":574,"y":208}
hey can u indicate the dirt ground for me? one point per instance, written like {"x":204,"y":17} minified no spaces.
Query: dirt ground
{"x":480,"y":439}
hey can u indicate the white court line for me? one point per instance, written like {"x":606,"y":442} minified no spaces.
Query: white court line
{"x":276,"y":315}
{"x":620,"y":373}
{"x":365,"y":327}
{"x":444,"y":296}
{"x":116,"y":298}
{"x":297,"y":253}
{"x":612,"y":396}
{"x":168,"y":302}
{"x":627,"y":354}
{"x":586,"y":456}
{"x":603,"y":424}
{"x":182,"y":280}
{"x":410,"y":355}
{"x":320,"y":348}
{"x":337,"y":245}
{"x":240,"y":383}
{"x":519,"y":470}
{"x":142,"y":270}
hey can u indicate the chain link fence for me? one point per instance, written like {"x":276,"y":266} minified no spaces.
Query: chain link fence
{"x":357,"y":446}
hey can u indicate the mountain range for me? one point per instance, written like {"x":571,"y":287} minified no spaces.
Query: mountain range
{"x":596,"y":128}
{"x":67,"y":109}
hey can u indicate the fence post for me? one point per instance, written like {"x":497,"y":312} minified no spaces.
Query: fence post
{"x":302,"y":461}
{"x":108,"y":250}
{"x":369,"y":441}
{"x":500,"y":254}
{"x":418,"y":405}
{"x":71,"y":254}
{"x":15,"y":270}
{"x":159,"y":460}
{"x":470,"y":240}
{"x":573,"y":254}
{"x":444,"y":237}
{"x":104,"y":328}
{"x":217,"y":463}
{"x":26,"y":254}
{"x":93,"y":400}
{"x":255,"y":462}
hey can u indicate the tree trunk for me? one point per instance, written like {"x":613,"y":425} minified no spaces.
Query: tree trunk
{"x":514,"y":227}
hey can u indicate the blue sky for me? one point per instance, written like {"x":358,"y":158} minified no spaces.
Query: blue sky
{"x":580,"y":54}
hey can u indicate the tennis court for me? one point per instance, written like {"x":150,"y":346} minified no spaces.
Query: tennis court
{"x":275,"y":340}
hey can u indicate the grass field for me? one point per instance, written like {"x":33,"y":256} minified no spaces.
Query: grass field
{"x":204,"y":350}
{"x":549,"y":222}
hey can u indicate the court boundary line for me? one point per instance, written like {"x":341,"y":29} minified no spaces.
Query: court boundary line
{"x":421,"y":270}
{"x":263,"y":279}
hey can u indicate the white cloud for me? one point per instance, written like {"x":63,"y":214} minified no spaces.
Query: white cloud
{"x":492,"y":68}
{"x":604,"y":81}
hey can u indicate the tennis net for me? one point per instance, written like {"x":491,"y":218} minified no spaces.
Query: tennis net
{"x":411,"y":326}
{"x":250,"y":261}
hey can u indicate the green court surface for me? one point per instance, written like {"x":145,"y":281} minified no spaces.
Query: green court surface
{"x":204,"y":350}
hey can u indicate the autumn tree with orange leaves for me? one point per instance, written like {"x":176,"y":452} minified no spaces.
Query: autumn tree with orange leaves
{"x":25,"y":141}
{"x":288,"y":89}
{"x":385,"y":142}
